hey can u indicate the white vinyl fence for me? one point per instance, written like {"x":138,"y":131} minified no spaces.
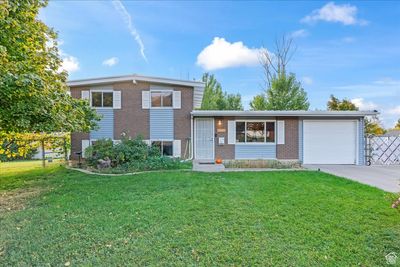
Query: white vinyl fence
{"x":383,"y":150}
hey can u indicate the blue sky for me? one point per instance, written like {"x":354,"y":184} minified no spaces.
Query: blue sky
{"x":349,"y":49}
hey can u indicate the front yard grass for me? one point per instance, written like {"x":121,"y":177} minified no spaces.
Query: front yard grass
{"x":292,"y":218}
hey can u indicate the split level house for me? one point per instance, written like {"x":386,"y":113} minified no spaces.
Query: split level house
{"x":165,"y":112}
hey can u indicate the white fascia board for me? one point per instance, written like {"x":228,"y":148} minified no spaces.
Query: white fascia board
{"x":286,"y":113}
{"x":105,"y":80}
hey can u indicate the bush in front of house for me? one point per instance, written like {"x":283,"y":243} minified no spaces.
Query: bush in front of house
{"x":130,"y":155}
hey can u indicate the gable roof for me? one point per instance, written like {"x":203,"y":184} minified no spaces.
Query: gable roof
{"x":283,"y":113}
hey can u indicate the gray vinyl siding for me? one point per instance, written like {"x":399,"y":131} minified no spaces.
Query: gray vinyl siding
{"x":301,"y":140}
{"x":361,"y":142}
{"x":252,"y":151}
{"x":162,"y":124}
{"x":106,"y":125}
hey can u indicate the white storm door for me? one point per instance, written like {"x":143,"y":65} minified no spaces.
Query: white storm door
{"x":204,"y":138}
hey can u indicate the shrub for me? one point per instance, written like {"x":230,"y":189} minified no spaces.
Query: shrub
{"x":273,"y":164}
{"x":130,"y":155}
{"x":100,"y":149}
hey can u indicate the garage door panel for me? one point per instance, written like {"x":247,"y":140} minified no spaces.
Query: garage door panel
{"x":330,"y":142}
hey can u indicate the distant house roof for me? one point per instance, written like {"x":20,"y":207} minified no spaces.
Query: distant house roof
{"x":392,"y":133}
{"x":283,"y":113}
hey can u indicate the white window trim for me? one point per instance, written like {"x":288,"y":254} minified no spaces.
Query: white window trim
{"x":101,"y":91}
{"x":164,"y":140}
{"x":265,"y":133}
{"x":161,"y":91}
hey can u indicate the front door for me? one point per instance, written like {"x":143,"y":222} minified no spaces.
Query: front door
{"x":204,"y":138}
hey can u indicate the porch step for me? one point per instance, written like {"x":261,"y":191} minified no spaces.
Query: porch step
{"x":207,"y":166}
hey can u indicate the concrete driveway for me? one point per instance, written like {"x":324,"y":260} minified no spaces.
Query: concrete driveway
{"x":384,"y":177}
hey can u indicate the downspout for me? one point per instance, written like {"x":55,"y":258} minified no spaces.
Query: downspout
{"x":191,"y":138}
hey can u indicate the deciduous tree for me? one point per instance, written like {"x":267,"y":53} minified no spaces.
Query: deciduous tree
{"x":258,"y":103}
{"x":33,"y":92}
{"x":215,"y":99}
{"x":372,"y":125}
{"x":344,"y":104}
{"x":283,"y":91}
{"x":397,"y":126}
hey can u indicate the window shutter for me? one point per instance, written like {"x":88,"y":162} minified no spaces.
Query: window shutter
{"x":85,"y":95}
{"x":85,"y":144}
{"x":281,"y":133}
{"x":177,"y":148}
{"x":117,"y":99}
{"x":145,"y":99}
{"x":177,"y":99}
{"x":231,"y":132}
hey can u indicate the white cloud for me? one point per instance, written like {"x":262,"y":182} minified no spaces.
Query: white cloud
{"x":307,"y":80}
{"x":345,"y":14}
{"x":387,"y":87}
{"x":364,"y":105}
{"x":69,"y":63}
{"x":222,"y":54}
{"x":110,"y":62}
{"x":299,"y":33}
{"x":394,"y":111}
{"x":128,"y":21}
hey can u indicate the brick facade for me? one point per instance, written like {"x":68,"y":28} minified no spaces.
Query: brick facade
{"x":182,"y":123}
{"x":221,"y":130}
{"x":131,"y":119}
{"x":76,"y":138}
{"x":290,"y":150}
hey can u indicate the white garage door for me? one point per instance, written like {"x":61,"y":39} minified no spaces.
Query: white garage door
{"x":329,"y":142}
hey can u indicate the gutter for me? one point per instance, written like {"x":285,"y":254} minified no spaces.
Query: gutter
{"x":191,"y":138}
{"x":283,"y":113}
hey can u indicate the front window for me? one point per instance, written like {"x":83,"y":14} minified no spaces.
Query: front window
{"x":270,"y":131}
{"x":161,"y":99}
{"x":164,"y":146}
{"x":240,"y":131}
{"x":102,"y":99}
{"x":255,"y":132}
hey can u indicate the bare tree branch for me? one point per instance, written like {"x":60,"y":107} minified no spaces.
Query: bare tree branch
{"x":275,"y":63}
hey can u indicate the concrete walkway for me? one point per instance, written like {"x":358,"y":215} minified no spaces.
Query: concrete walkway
{"x":386,"y":178}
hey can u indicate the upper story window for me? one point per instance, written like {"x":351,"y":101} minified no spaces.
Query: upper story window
{"x":161,"y":99}
{"x":102,"y":99}
{"x":255,"y":132}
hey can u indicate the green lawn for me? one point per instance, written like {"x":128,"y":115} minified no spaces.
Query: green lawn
{"x":185,"y":218}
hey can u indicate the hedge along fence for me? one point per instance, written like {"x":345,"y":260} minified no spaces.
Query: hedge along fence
{"x":25,"y":146}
